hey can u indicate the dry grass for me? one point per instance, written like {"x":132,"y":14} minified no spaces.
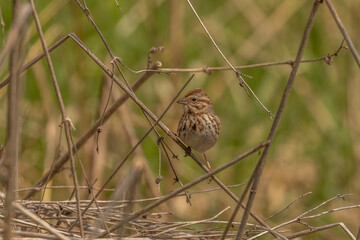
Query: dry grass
{"x":124,"y":118}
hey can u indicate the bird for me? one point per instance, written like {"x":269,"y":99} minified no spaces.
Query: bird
{"x":199,"y":126}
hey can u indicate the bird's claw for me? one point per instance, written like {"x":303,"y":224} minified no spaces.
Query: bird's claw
{"x":187,"y":151}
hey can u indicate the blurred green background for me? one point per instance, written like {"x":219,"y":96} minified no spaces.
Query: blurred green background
{"x":317,"y":146}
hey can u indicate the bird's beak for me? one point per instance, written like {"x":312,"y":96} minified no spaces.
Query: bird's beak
{"x":181,"y":101}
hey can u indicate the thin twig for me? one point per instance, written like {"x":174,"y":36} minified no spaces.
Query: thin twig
{"x":114,"y":59}
{"x":338,"y":196}
{"x":343,"y":31}
{"x":329,"y":211}
{"x":288,"y":206}
{"x":159,"y":177}
{"x":328,"y":59}
{"x":237,"y":73}
{"x":102,"y":116}
{"x":52,"y":164}
{"x":89,"y":186}
{"x":322,"y":228}
{"x":65,"y":119}
{"x":162,"y":145}
{"x":259,"y":168}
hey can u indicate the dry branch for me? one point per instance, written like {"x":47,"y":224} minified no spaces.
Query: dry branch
{"x":322,"y":228}
{"x":259,"y":168}
{"x":343,"y":31}
{"x":328,"y":59}
{"x":66,"y":121}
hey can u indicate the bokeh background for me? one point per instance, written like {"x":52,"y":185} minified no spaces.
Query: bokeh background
{"x":317,"y":146}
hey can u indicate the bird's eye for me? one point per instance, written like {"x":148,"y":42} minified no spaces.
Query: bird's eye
{"x":193,"y":99}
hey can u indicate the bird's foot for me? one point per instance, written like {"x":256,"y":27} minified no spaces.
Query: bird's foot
{"x":187,"y":151}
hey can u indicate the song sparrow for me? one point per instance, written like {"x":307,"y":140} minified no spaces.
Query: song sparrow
{"x":199,"y":127}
